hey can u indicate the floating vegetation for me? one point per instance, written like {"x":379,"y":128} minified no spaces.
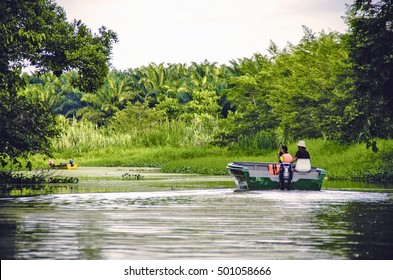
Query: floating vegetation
{"x":10,"y":180}
{"x":22,"y":190}
{"x":129,"y":176}
{"x":72,"y":180}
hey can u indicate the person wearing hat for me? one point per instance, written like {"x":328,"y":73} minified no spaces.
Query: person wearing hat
{"x":301,"y":152}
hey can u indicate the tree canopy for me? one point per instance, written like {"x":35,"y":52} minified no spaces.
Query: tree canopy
{"x":36,"y":33}
{"x":370,"y":41}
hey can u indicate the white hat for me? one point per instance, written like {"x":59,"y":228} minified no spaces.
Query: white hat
{"x":301,"y":143}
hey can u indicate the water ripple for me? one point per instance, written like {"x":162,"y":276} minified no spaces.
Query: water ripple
{"x":193,"y":224}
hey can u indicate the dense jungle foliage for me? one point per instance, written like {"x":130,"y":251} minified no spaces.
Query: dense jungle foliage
{"x":304,"y":91}
{"x":337,"y":87}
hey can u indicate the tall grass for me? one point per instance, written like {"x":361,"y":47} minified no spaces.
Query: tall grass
{"x":256,"y":144}
{"x":79,"y":138}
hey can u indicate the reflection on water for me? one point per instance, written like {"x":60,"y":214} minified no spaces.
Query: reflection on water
{"x":215,"y":223}
{"x":361,"y":229}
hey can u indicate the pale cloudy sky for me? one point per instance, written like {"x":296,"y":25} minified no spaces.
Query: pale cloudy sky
{"x":185,"y":31}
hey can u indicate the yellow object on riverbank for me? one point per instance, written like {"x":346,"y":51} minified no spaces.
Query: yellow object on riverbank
{"x":66,"y":166}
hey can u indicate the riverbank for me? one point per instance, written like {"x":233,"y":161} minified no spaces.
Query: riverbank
{"x":342,"y":162}
{"x":142,"y":179}
{"x":113,"y":180}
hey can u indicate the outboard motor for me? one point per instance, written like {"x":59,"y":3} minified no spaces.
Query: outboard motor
{"x":285,"y":176}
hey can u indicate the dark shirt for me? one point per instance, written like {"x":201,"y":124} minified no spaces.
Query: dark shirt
{"x":302,"y":154}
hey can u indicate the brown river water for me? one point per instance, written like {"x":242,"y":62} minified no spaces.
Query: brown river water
{"x":174,"y":216}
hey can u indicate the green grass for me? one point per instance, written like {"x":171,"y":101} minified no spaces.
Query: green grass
{"x":352,"y":162}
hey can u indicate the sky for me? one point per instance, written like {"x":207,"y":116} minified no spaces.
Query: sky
{"x":185,"y":31}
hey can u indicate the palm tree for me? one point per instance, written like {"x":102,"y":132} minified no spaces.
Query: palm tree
{"x":43,"y":88}
{"x":108,"y":100}
{"x":70,"y":101}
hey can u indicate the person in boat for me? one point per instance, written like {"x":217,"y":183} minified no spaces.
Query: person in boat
{"x":302,"y":158}
{"x":301,"y":152}
{"x":283,"y":155}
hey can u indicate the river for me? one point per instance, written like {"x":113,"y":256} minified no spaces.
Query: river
{"x":173,"y":216}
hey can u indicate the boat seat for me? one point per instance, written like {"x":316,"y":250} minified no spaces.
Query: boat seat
{"x":303,"y":165}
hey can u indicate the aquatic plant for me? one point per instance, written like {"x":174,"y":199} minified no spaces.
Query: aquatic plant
{"x":129,"y":176}
{"x":41,"y":177}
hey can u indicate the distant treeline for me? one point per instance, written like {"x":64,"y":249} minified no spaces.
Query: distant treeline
{"x":301,"y":91}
